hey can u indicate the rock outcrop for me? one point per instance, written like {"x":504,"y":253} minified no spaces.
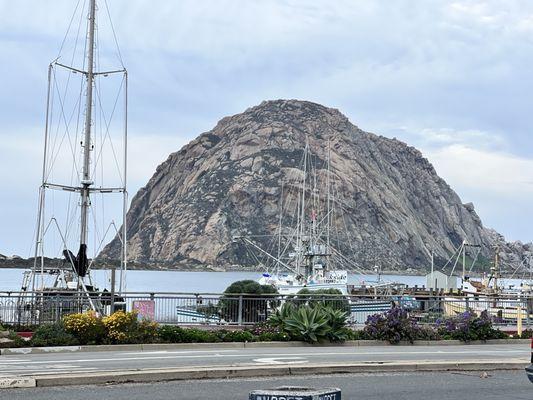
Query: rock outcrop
{"x":228,"y":182}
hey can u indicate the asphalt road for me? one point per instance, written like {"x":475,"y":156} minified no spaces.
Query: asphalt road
{"x":412,"y":386}
{"x":79,"y":362}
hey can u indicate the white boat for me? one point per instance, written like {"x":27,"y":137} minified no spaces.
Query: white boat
{"x":291,"y":284}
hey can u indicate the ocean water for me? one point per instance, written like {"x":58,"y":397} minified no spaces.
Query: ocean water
{"x":196,"y":282}
{"x":183,"y":281}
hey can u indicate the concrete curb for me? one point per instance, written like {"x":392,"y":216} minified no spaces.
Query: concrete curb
{"x":242,"y":345}
{"x":12,"y":383}
{"x":158,"y":375}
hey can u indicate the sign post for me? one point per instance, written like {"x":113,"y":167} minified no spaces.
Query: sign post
{"x":296,"y":393}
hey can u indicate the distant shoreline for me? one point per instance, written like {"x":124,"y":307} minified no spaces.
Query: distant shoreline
{"x":134,"y":266}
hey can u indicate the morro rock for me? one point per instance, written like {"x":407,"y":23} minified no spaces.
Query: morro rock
{"x":227,"y":182}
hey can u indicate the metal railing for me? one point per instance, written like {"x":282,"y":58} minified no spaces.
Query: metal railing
{"x":25,"y":309}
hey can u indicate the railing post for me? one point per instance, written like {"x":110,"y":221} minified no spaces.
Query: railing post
{"x":239,"y":317}
{"x":112,"y":301}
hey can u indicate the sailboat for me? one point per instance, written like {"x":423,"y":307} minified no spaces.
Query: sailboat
{"x":85,"y":133}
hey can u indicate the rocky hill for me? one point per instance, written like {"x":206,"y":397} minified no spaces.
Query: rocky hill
{"x":228,"y":182}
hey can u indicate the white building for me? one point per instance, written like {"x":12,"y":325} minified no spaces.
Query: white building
{"x":438,"y":280}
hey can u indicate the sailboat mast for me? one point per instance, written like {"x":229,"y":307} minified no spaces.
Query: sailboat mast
{"x":301,"y":228}
{"x":86,"y":180}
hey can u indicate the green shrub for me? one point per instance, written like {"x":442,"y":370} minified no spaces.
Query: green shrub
{"x":235,"y":336}
{"x":256,"y":301}
{"x":331,"y":297}
{"x":176,"y":334}
{"x":352,"y":334}
{"x":17,"y":340}
{"x":170,"y":334}
{"x":193,"y":335}
{"x":52,"y":335}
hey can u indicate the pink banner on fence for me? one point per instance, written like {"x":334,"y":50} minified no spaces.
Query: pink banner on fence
{"x":145,"y":309}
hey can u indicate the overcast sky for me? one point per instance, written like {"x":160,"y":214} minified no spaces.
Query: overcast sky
{"x":453,"y":78}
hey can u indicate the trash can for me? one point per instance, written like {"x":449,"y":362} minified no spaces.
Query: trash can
{"x":296,"y":393}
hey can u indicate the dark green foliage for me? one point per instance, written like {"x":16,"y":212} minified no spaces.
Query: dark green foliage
{"x":332,"y":298}
{"x":256,"y":301}
{"x":176,"y":334}
{"x":52,"y":335}
{"x":469,"y":326}
{"x":235,"y":336}
{"x":352,"y":334}
{"x":17,"y":340}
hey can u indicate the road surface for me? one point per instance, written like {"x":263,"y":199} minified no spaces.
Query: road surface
{"x":503,"y":385}
{"x":80,"y":362}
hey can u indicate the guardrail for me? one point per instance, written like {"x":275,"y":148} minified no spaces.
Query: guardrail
{"x":34,"y":308}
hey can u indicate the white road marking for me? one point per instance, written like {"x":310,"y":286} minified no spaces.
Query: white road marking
{"x":34,"y":372}
{"x":178,"y":352}
{"x":260,"y":355}
{"x":281,"y":360}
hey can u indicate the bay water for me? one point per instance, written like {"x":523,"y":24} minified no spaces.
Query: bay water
{"x":185,"y":281}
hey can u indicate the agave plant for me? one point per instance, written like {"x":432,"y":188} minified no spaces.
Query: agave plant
{"x":281,"y":315}
{"x":336,"y":323}
{"x":308,"y":323}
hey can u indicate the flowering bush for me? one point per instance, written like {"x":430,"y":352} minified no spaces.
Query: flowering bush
{"x":124,"y":327}
{"x":87,"y":327}
{"x":266,"y":332}
{"x":396,"y":325}
{"x":469,"y":326}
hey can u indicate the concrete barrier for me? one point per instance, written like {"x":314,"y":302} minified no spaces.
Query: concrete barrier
{"x":12,"y":383}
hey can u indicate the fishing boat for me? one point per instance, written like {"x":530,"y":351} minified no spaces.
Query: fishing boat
{"x":85,"y":137}
{"x":306,"y":252}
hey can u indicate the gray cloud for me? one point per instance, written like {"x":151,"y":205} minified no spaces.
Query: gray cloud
{"x":436,"y":74}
